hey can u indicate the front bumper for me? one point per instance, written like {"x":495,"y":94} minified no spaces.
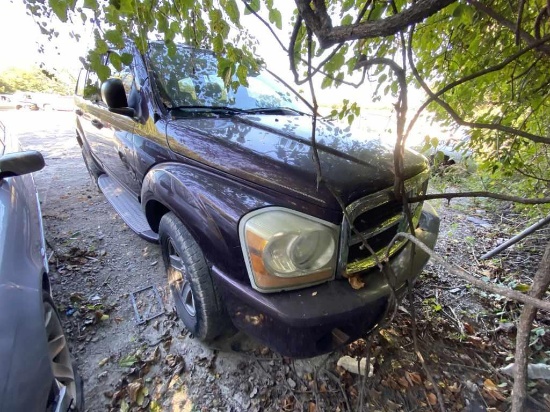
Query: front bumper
{"x":309,"y":322}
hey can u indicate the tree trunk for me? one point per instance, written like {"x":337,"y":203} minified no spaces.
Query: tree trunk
{"x":540,"y":285}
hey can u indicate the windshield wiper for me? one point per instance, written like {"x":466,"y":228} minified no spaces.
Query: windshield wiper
{"x":275,"y":110}
{"x":208,"y":109}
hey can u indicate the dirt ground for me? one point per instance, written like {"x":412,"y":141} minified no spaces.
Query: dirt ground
{"x":97,"y":263}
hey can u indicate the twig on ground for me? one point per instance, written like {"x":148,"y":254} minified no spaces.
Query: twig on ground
{"x":342,"y":389}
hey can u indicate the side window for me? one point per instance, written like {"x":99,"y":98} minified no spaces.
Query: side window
{"x":80,"y":83}
{"x":91,"y":87}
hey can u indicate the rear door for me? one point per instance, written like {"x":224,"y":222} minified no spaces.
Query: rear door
{"x":109,"y":135}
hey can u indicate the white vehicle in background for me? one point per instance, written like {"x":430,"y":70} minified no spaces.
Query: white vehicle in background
{"x":42,"y":101}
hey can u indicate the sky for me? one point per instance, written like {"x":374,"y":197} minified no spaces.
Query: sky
{"x":21,"y":39}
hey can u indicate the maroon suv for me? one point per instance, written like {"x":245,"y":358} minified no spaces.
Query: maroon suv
{"x":224,"y":179}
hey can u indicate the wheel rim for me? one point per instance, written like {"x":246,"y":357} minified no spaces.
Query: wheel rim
{"x":60,"y":358}
{"x":179,"y":283}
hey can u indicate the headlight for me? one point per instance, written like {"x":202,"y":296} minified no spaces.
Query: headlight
{"x":284,"y":249}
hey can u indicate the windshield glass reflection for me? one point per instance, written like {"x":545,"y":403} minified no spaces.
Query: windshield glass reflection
{"x":189,"y":79}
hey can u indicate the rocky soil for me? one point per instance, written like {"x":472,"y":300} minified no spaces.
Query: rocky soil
{"x":97,"y":264}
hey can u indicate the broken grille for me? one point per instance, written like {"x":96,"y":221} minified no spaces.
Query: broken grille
{"x":378,"y":218}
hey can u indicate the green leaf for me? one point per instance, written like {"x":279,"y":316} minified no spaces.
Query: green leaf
{"x":115,"y":38}
{"x":126,"y":58}
{"x":103,"y":72}
{"x":522,"y":287}
{"x":335,"y":63}
{"x":347,"y":5}
{"x":254,"y":5}
{"x":377,"y":11}
{"x":242,"y":72}
{"x":124,"y":407}
{"x":276,"y":18}
{"x":232,"y":11}
{"x":154,"y":406}
{"x":127,"y":6}
{"x":128,"y":361}
{"x":115,"y":60}
{"x":90,"y":4}
{"x":347,"y":20}
{"x":217,"y":44}
{"x":59,"y":7}
{"x":327,"y":82}
{"x":101,"y":46}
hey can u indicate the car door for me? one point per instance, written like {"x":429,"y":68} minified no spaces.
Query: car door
{"x":109,"y":135}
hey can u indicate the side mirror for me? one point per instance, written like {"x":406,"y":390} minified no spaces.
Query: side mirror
{"x":114,"y":96}
{"x":21,"y":163}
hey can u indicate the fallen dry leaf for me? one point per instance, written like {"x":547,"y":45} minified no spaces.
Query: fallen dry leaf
{"x":414,"y":378}
{"x":403,"y":382}
{"x":492,"y":390}
{"x":133,"y":390}
{"x":356,"y":283}
{"x":312,"y":407}
{"x":469,"y":328}
{"x":454,"y":388}
{"x":432,"y":399}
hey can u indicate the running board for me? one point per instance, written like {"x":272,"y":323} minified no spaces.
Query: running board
{"x":127,"y":207}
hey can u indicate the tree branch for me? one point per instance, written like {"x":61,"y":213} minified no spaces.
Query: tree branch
{"x":461,"y":273}
{"x":496,"y":67}
{"x":498,"y":196}
{"x":458,"y":119}
{"x":506,"y":23}
{"x":319,"y":22}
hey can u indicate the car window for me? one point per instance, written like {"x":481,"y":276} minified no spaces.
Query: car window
{"x":190,"y":78}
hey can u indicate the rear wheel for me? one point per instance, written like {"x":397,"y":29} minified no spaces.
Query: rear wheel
{"x":195,"y":296}
{"x":64,"y":371}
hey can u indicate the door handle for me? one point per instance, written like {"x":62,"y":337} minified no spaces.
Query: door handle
{"x":97,"y":124}
{"x":79,"y":112}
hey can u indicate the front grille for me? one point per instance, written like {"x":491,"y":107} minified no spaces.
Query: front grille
{"x":378,"y":218}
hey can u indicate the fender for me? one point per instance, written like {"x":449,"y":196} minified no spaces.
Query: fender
{"x":210,"y":206}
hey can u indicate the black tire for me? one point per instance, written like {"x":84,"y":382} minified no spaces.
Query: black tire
{"x":195,"y":296}
{"x":63,"y":366}
{"x":93,"y":169}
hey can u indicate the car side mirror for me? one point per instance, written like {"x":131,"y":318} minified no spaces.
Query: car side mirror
{"x":21,"y":163}
{"x":114,"y":96}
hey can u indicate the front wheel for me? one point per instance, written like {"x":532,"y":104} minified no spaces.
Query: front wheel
{"x":195,"y":296}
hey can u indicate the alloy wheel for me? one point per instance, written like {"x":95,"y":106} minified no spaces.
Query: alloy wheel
{"x":58,"y":350}
{"x":179,"y":283}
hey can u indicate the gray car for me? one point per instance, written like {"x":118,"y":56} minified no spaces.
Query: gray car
{"x":36,"y":372}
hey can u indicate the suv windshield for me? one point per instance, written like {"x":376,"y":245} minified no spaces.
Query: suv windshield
{"x":189,"y":79}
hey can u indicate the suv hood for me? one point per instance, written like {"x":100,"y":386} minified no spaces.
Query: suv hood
{"x":276,"y":152}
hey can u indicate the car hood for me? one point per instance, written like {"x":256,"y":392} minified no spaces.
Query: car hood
{"x":276,"y":151}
